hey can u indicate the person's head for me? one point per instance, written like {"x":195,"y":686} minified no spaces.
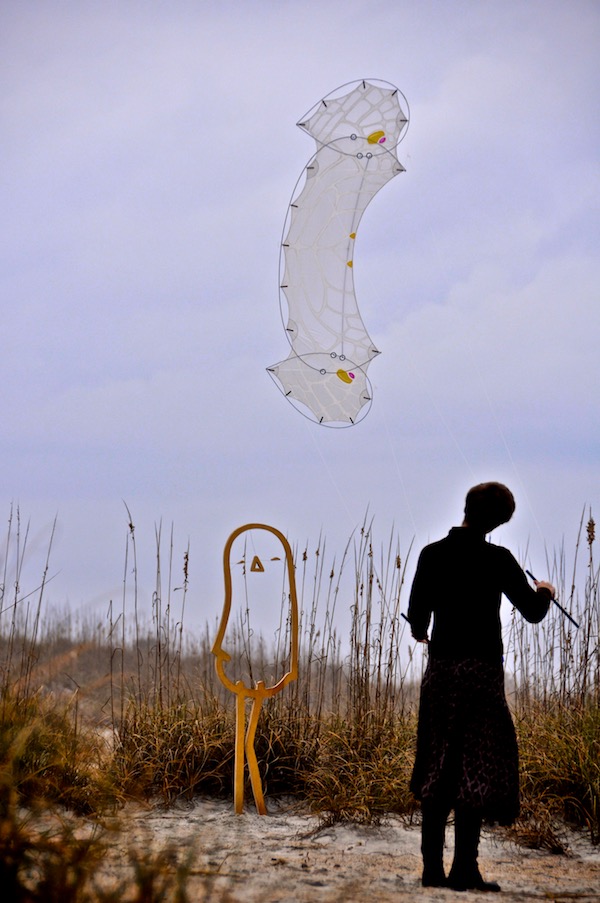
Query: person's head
{"x":488,"y":505}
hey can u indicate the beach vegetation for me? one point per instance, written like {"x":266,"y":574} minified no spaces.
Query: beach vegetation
{"x":128,"y":707}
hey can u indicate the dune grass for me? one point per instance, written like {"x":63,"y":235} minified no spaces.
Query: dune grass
{"x":92,"y":715}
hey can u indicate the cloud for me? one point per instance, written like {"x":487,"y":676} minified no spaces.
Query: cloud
{"x":149,"y":159}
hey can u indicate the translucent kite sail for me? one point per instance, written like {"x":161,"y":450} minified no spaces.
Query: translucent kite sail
{"x":357,"y":129}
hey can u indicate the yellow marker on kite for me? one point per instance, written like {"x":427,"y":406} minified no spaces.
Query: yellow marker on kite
{"x":244,"y":747}
{"x":375,"y":137}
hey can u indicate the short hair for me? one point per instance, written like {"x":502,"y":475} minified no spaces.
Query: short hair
{"x":488,"y":505}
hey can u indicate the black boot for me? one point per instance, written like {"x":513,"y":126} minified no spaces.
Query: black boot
{"x":465,"y":874}
{"x":433,"y":832}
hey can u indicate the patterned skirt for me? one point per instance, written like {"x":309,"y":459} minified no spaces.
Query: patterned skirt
{"x":466,"y":744}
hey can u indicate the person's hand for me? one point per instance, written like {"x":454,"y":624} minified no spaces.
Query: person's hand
{"x":543,"y":584}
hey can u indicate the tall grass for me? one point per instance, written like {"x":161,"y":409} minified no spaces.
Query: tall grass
{"x":91,"y":714}
{"x":556,"y":662}
{"x":556,"y":698}
{"x":341,"y":738}
{"x":176,"y":739}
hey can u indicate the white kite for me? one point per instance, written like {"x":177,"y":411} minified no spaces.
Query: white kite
{"x":357,"y":128}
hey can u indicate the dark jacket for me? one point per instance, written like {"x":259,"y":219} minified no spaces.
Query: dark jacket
{"x":460,"y":580}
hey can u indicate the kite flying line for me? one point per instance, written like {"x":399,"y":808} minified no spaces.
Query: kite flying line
{"x":468,"y":338}
{"x":357,"y":129}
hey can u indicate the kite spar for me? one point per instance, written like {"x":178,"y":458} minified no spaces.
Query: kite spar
{"x":357,"y":128}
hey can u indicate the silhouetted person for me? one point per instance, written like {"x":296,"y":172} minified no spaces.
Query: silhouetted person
{"x":467,"y":757}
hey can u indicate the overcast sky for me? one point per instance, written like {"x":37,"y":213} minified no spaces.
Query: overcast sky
{"x":148,"y":155}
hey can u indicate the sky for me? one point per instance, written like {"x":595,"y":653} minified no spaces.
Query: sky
{"x":148,"y":156}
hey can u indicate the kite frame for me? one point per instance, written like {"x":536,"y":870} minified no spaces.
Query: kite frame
{"x":345,"y":88}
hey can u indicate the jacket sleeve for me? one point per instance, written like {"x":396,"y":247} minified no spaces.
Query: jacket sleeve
{"x":532,"y":603}
{"x":420,"y":605}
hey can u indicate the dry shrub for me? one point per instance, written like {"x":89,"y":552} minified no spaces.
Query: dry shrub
{"x":175,"y":752}
{"x":363,"y":770}
{"x":54,"y":865}
{"x":46,"y":755}
{"x":560,"y":767}
{"x":54,"y":859}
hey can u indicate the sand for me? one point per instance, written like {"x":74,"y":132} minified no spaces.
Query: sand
{"x":286,"y":857}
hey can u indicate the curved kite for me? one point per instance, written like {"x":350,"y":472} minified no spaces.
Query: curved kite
{"x":357,"y":131}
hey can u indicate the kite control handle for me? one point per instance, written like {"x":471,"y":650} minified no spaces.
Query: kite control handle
{"x":565,"y":613}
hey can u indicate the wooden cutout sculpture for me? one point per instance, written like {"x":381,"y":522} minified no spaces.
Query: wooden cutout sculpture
{"x":259,"y":692}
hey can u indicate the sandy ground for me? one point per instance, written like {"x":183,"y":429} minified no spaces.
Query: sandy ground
{"x":285,"y":858}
